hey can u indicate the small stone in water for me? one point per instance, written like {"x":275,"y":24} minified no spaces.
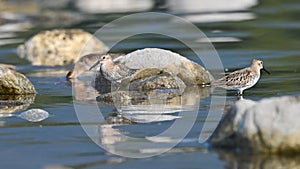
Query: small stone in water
{"x":34,"y":115}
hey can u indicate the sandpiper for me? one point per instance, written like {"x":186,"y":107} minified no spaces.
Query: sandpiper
{"x":82,"y":65}
{"x":85,"y":62}
{"x":114,"y":71}
{"x":241,"y":79}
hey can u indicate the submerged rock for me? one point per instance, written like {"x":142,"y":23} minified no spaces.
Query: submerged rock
{"x":14,"y":83}
{"x":60,"y":47}
{"x":34,"y":115}
{"x":270,"y":125}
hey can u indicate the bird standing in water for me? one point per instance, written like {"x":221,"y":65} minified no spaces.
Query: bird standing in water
{"x":82,"y":65}
{"x":114,"y":71}
{"x":241,"y":79}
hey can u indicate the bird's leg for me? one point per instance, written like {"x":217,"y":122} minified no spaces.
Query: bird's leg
{"x":240,"y":92}
{"x":240,"y":97}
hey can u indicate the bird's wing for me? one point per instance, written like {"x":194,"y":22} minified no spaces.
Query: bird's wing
{"x":118,"y":58}
{"x":240,"y":78}
{"x":124,"y":70}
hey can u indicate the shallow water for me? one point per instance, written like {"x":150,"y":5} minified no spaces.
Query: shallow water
{"x":269,"y":30}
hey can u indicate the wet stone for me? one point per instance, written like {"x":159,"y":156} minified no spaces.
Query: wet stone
{"x":16,"y":91}
{"x":14,"y":83}
{"x":34,"y":115}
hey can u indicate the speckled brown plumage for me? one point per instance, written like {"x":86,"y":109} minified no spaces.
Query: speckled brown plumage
{"x":85,"y":63}
{"x":114,"y":71}
{"x":241,"y":79}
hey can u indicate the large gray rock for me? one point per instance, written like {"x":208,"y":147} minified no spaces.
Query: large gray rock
{"x":270,"y":126}
{"x":60,"y":47}
{"x":188,"y":71}
{"x":160,"y":74}
{"x":14,"y":83}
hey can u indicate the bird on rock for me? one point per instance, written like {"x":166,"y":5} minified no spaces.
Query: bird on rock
{"x":113,"y":71}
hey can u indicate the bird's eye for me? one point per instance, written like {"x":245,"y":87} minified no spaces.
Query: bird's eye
{"x":103,"y":57}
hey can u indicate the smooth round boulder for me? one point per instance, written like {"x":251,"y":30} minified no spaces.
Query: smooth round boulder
{"x":151,"y":61}
{"x":159,"y":74}
{"x":60,"y":47}
{"x":188,"y":71}
{"x":268,"y":126}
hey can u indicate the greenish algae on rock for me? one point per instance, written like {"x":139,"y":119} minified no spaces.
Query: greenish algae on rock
{"x":14,"y":83}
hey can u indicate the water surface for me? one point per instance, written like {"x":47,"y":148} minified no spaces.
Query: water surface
{"x":268,"y":30}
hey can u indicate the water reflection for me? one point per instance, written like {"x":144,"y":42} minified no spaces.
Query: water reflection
{"x":191,"y":6}
{"x":160,"y":108}
{"x":87,"y":87}
{"x":125,"y":130}
{"x":10,"y":104}
{"x":220,"y":17}
{"x":116,"y":6}
{"x":115,"y":135}
{"x":246,"y":161}
{"x":188,"y":155}
{"x":212,"y":10}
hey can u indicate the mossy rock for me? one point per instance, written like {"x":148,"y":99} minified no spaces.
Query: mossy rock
{"x":148,"y":79}
{"x":14,"y":83}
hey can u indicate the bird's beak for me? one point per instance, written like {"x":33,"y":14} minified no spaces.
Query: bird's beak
{"x":266,"y":70}
{"x":95,"y":65}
